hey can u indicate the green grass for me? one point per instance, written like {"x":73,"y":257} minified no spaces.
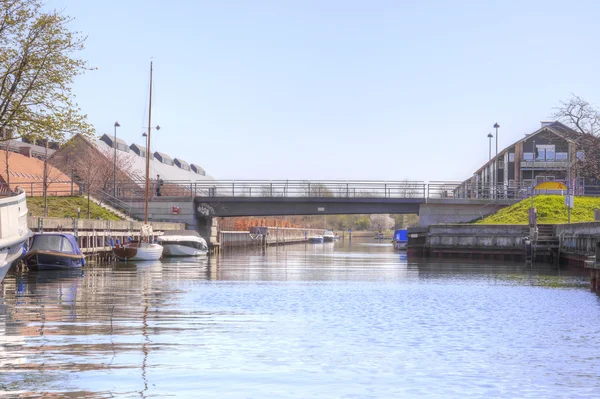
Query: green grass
{"x":550,"y":209}
{"x":66,"y":207}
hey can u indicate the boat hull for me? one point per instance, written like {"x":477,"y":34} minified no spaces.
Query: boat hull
{"x":328,"y":239}
{"x":8,"y":257}
{"x":316,"y":240}
{"x":182,"y":250}
{"x":138,"y":252}
{"x":49,"y":260}
{"x":13,"y":230}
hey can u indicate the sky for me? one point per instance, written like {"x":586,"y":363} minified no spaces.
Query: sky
{"x":337,"y":89}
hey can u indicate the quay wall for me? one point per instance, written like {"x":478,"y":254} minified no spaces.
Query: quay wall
{"x":275,"y":236}
{"x":468,"y":241}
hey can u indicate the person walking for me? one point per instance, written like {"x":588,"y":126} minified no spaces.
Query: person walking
{"x":159,"y":183}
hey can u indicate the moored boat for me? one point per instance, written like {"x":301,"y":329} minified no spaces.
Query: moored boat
{"x":315,"y":239}
{"x":400,"y":239}
{"x":144,"y":249}
{"x":185,"y":243}
{"x":328,"y":236}
{"x":13,"y":229}
{"x":138,"y":251}
{"x":54,"y":251}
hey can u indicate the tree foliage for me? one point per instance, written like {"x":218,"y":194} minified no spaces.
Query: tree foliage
{"x":583,"y":118}
{"x":38,"y":63}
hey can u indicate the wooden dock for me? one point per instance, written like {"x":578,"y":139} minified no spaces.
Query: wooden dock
{"x":93,"y":236}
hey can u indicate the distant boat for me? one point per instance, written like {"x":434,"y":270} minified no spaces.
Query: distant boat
{"x":13,"y":229}
{"x":400,"y":239}
{"x":315,"y":239}
{"x":183,"y":243}
{"x":54,"y":251}
{"x":328,"y":236}
{"x":379,"y":236}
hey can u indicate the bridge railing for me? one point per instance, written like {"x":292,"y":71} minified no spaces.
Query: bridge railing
{"x":339,"y":189}
{"x":281,"y":188}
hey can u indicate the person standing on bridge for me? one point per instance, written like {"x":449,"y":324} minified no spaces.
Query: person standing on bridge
{"x":159,"y":183}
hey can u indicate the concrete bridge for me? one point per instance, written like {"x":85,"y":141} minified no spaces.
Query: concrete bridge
{"x":197,"y":203}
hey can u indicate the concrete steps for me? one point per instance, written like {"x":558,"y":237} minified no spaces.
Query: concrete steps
{"x":111,"y":209}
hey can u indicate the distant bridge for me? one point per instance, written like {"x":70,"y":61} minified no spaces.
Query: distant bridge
{"x":198,"y":202}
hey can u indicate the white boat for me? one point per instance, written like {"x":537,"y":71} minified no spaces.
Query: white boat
{"x":187,"y":243}
{"x":138,"y":251}
{"x":328,"y":236}
{"x":13,"y":230}
{"x":144,"y":249}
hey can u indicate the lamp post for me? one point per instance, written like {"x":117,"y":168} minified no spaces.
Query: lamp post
{"x":497,"y":170}
{"x":115,"y":161}
{"x":490,"y":137}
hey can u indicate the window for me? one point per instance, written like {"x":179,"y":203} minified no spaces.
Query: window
{"x":511,"y":157}
{"x":550,"y":154}
{"x":501,"y":164}
{"x":580,"y":155}
{"x":541,"y":154}
{"x":562,"y":156}
{"x":528,"y":156}
{"x":52,"y":242}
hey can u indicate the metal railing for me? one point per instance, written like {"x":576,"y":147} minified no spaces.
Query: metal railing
{"x":281,"y":188}
{"x":128,"y":192}
{"x":111,"y":201}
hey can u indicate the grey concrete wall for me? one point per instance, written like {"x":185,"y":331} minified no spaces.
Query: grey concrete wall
{"x":162,"y":211}
{"x":477,"y":235}
{"x":437,"y":213}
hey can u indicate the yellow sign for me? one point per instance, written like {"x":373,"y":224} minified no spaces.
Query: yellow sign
{"x":551,"y":185}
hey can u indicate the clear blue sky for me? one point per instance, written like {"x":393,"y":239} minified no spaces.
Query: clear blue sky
{"x":315,"y":89}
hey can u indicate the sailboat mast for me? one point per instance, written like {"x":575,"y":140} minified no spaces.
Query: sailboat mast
{"x":148,"y":150}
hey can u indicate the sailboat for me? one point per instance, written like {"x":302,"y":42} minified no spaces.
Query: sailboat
{"x":143,"y":249}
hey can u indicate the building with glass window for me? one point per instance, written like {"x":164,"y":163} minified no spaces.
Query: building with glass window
{"x":548,"y":154}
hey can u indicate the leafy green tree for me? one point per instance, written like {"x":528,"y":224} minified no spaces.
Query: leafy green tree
{"x":38,"y":63}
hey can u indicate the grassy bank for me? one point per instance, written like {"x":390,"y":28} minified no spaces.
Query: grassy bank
{"x":550,"y":209}
{"x":66,"y":207}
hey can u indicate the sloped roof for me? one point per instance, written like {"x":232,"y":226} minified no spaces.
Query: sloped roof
{"x":162,"y":157}
{"x":181,"y":163}
{"x":109,"y":140}
{"x":556,"y":127}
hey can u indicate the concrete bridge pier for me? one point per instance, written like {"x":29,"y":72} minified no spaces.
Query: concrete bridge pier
{"x":208,"y":228}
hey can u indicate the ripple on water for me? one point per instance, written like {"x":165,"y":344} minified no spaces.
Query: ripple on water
{"x":345,"y":321}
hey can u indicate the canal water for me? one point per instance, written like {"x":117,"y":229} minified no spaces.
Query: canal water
{"x":338,"y":320}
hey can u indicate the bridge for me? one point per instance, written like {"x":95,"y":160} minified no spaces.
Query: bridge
{"x":197,"y":202}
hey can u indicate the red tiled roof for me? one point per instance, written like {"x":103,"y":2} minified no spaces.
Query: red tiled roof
{"x":28,"y":173}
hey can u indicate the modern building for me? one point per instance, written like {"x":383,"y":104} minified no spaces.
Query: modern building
{"x":548,"y":154}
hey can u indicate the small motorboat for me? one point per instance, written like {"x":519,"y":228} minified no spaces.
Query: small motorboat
{"x":186,"y":243}
{"x":400,"y":239}
{"x":328,"y":236}
{"x":315,"y":239}
{"x":54,"y":251}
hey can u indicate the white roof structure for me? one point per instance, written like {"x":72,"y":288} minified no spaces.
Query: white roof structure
{"x":166,"y":172}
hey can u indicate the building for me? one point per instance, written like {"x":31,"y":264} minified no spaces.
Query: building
{"x":27,"y":172}
{"x":548,"y":154}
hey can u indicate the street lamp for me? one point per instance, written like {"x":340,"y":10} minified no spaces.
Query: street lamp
{"x":496,"y":126}
{"x":497,"y":171}
{"x":490,"y":137}
{"x":115,"y":161}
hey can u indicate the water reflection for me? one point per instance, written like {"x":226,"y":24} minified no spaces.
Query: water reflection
{"x":317,"y":320}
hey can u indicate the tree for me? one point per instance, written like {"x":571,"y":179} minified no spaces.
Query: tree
{"x":38,"y":64}
{"x":584,"y":119}
{"x":382,"y":222}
